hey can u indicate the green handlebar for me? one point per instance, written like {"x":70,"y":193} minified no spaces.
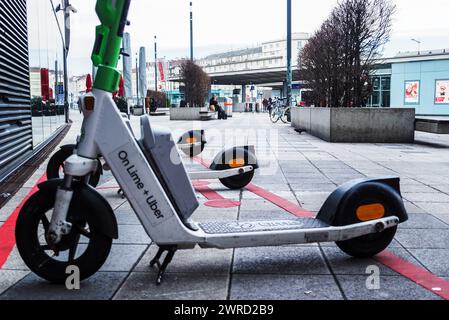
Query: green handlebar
{"x":113,"y":16}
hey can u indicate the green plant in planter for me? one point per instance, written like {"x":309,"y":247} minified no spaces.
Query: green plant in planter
{"x":122,"y":104}
{"x":36,"y":107}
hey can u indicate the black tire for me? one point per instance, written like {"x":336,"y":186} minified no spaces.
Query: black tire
{"x":238,"y":182}
{"x":373,"y":244}
{"x":286,"y":115}
{"x":33,"y":248}
{"x":274,"y":116}
{"x":57,"y":161}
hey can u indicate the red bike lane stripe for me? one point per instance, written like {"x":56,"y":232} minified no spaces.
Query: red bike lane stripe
{"x":280,"y":202}
{"x":7,"y":230}
{"x":414,"y":273}
{"x":215,"y":199}
{"x":418,"y":275}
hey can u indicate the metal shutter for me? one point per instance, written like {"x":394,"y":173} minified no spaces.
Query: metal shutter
{"x":15,"y":111}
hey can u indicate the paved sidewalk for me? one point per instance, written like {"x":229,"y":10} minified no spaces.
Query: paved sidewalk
{"x":298,"y":168}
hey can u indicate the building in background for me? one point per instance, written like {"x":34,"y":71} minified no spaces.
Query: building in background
{"x":31,"y":60}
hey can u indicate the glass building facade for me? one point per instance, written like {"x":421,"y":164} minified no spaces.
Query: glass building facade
{"x":31,"y":79}
{"x":46,"y":69}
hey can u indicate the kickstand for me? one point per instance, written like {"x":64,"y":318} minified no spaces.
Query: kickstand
{"x":171,"y":251}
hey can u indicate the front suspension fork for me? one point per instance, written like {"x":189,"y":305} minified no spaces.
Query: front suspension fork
{"x":59,"y":226}
{"x":75,"y":166}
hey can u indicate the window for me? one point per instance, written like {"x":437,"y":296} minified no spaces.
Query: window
{"x":381,"y":96}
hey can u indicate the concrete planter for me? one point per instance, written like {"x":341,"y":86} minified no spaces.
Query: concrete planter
{"x":186,"y":114}
{"x":371,"y":125}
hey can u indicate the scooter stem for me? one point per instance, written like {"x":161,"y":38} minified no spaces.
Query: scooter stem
{"x":108,"y":43}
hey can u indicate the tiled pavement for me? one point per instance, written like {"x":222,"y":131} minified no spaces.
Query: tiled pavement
{"x":299,"y":168}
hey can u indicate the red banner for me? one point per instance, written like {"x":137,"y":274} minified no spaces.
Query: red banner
{"x":45,"y":85}
{"x":161,"y":71}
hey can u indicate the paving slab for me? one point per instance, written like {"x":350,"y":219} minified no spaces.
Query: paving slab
{"x":434,"y":197}
{"x":423,"y":239}
{"x":423,"y":221}
{"x":391,"y":288}
{"x":341,"y":263}
{"x":318,"y":187}
{"x":284,"y":287}
{"x":9,"y":278}
{"x":280,"y":260}
{"x":142,"y":286}
{"x":123,"y":258}
{"x":435,"y":260}
{"x":433,"y":208}
{"x":132,"y":234}
{"x":196,"y":261}
{"x":15,"y":262}
{"x":101,"y":286}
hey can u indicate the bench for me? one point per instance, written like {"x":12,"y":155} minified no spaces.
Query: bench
{"x":160,"y":112}
{"x":436,"y":125}
{"x":207,"y":115}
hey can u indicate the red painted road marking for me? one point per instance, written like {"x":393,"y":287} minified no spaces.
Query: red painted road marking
{"x":280,"y":202}
{"x":271,"y":197}
{"x":7,"y":230}
{"x":407,"y":269}
{"x":414,"y":273}
{"x":215,"y":199}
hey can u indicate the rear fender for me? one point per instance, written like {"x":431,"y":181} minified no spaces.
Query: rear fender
{"x":332,"y":205}
{"x":248,"y":153}
{"x":198,"y":135}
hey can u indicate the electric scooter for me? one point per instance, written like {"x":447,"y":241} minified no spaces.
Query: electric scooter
{"x":235,"y":175}
{"x":361,"y":216}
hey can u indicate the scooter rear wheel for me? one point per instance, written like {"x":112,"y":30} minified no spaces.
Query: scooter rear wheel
{"x":85,"y":247}
{"x":237,"y":182}
{"x":57,"y":162}
{"x":368,"y":194}
{"x":194,"y":151}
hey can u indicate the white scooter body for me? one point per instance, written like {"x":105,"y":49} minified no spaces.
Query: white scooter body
{"x":105,"y":132}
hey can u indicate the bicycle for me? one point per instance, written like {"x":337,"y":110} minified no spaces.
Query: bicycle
{"x":280,"y":112}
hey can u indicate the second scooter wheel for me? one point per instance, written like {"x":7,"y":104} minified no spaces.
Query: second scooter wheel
{"x":371,"y":201}
{"x":194,"y":151}
{"x":237,"y":182}
{"x":85,"y":247}
{"x":57,"y":162}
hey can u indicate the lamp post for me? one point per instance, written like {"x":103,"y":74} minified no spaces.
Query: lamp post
{"x":155,"y":63}
{"x":419,"y":45}
{"x":191,"y":31}
{"x":67,"y":8}
{"x":289,"y":53}
{"x":137,"y":79}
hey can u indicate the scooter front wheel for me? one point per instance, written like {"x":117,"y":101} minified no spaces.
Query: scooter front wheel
{"x":57,"y":162}
{"x":85,"y":247}
{"x":370,"y":202}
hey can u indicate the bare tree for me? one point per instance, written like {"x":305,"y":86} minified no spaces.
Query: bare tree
{"x":159,"y":97}
{"x":197,"y":83}
{"x":339,"y":59}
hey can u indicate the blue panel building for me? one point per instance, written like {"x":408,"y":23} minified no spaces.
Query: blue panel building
{"x":419,"y":80}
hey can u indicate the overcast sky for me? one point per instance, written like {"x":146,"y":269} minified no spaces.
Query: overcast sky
{"x":222,"y":25}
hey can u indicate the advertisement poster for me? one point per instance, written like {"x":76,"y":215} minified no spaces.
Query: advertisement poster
{"x":442,"y":92}
{"x":412,"y":92}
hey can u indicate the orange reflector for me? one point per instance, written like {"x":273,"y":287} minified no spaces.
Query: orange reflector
{"x":191,"y":140}
{"x":371,"y":212}
{"x":237,"y":163}
{"x":89,"y":103}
